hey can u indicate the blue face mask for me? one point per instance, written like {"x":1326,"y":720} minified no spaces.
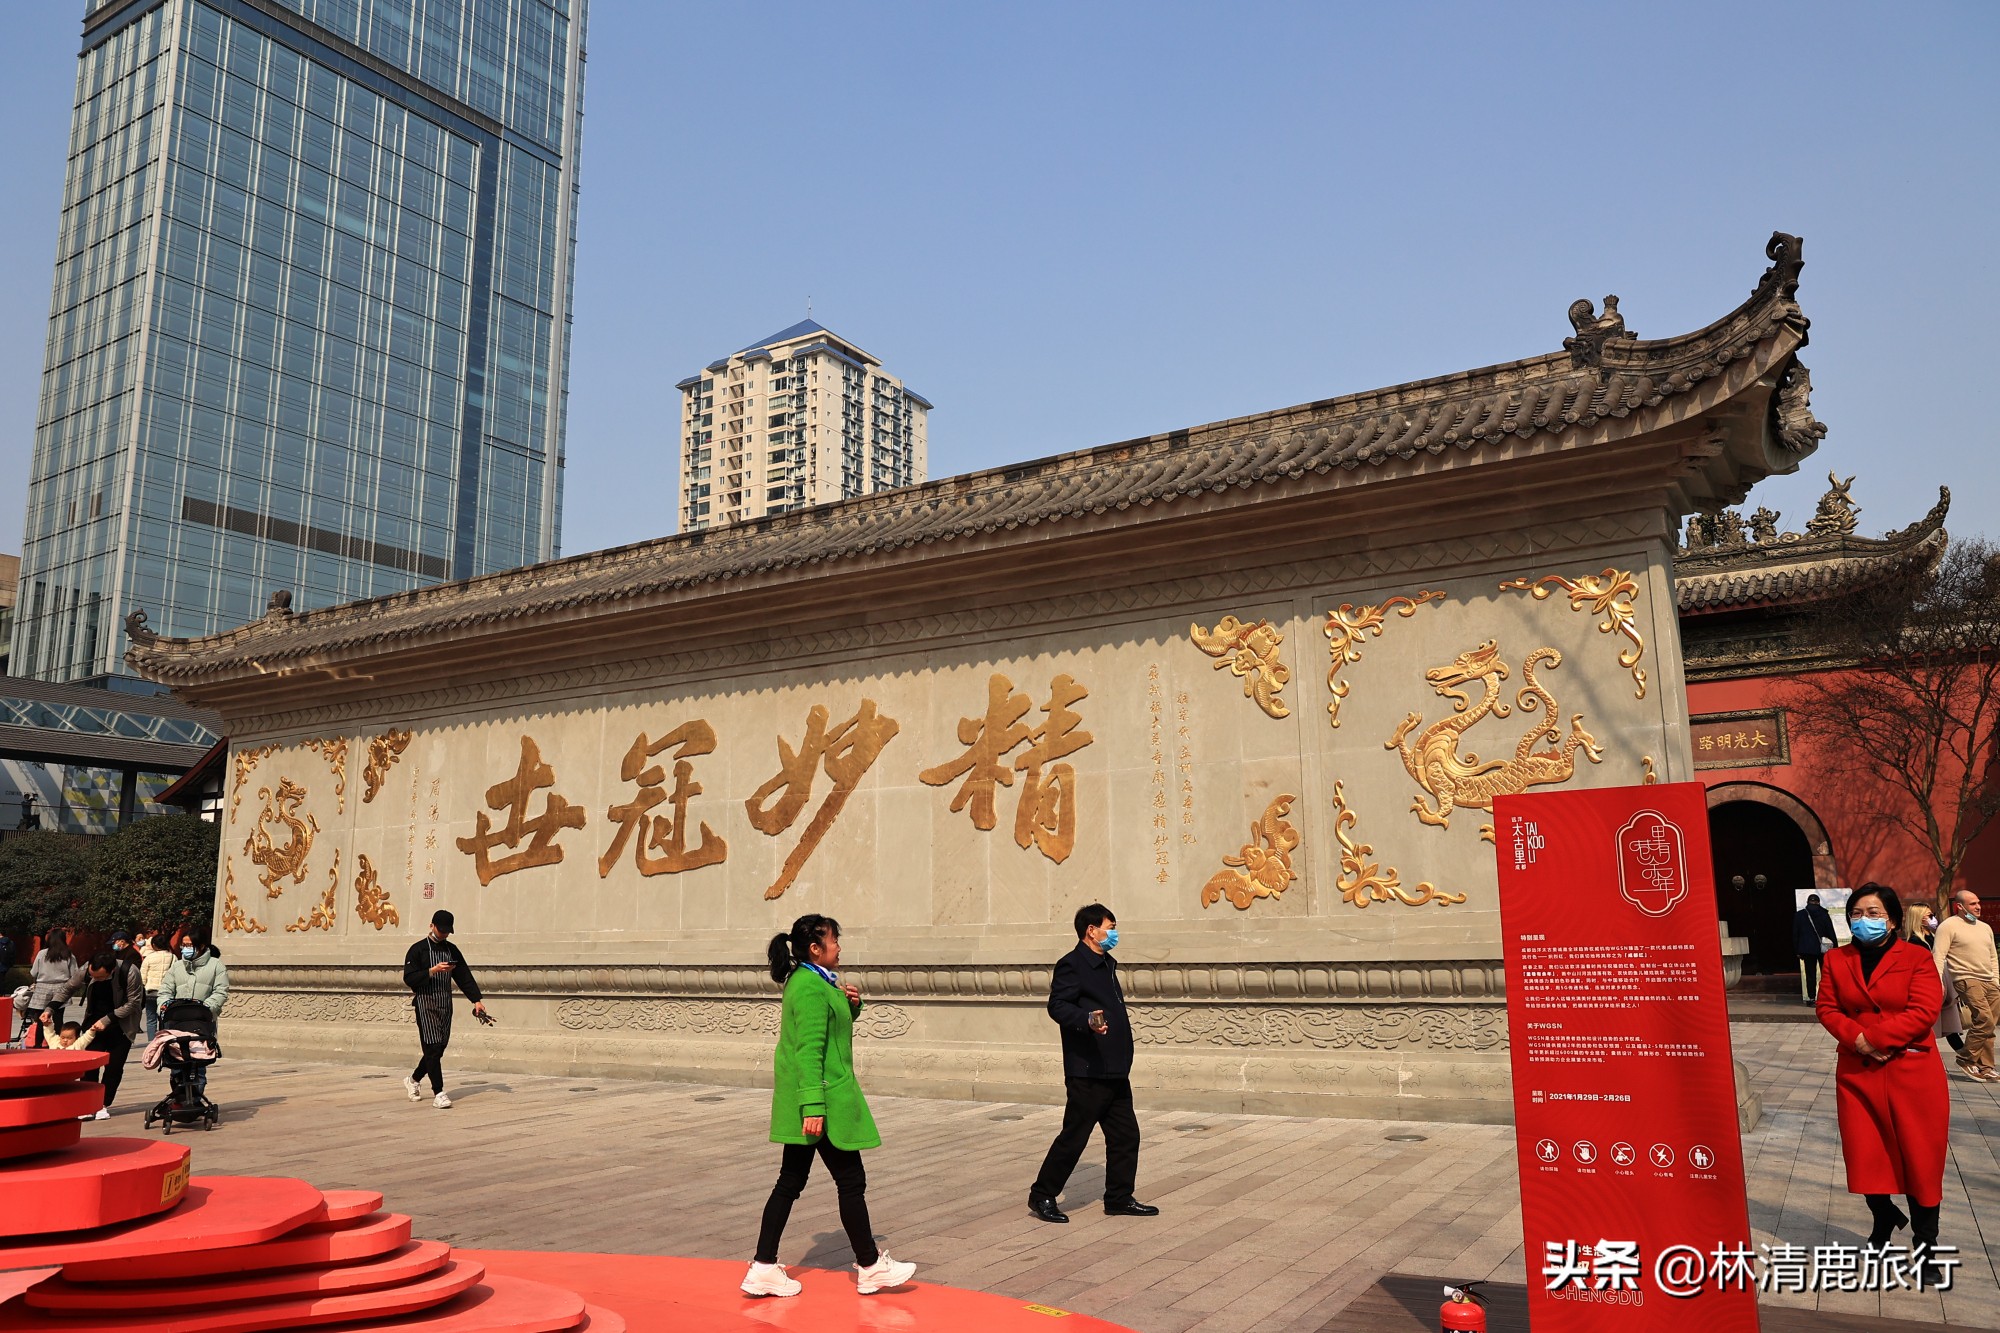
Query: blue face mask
{"x":1111,"y":939}
{"x":1869,"y":929}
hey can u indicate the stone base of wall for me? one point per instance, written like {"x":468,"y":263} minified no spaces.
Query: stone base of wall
{"x":1375,"y":1086}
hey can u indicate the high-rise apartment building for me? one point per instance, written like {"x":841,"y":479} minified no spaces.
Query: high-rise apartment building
{"x":802,"y":418}
{"x":310,"y":327}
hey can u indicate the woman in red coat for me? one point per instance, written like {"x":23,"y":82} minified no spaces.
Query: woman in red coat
{"x":1880,"y":996}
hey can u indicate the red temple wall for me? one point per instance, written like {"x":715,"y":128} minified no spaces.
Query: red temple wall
{"x":1865,"y":846}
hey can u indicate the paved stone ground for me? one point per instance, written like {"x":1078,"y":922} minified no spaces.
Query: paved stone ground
{"x":1270,"y":1223}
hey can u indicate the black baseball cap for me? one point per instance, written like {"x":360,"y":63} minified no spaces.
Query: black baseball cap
{"x":442,"y":920}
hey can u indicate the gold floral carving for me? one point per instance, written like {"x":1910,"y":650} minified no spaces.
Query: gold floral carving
{"x":371,"y":900}
{"x":1347,"y":626}
{"x":235,"y":921}
{"x":383,"y":751}
{"x":1609,"y":595}
{"x":1453,"y":780}
{"x":1250,"y":653}
{"x":327,"y":908}
{"x":335,"y":753}
{"x":1263,"y":869}
{"x":246,"y":760}
{"x":281,"y":807}
{"x":1363,"y":881}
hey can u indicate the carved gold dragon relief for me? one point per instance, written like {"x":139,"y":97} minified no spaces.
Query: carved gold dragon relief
{"x":1452,"y":780}
{"x":1263,"y":866}
{"x":1250,"y":653}
{"x":1609,"y":595}
{"x":278,"y":862}
{"x":1348,"y":625}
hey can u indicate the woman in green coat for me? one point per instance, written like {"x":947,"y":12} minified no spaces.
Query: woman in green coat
{"x":817,"y":1107}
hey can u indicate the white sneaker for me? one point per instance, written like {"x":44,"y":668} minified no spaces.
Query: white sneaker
{"x":770,"y":1280}
{"x":442,"y":1102}
{"x":415,"y":1089}
{"x":103,"y":1113}
{"x":883,"y":1274}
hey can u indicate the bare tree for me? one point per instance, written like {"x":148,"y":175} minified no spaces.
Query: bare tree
{"x":1911,"y":698}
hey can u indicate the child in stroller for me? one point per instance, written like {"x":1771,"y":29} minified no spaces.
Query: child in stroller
{"x":187,"y":1047}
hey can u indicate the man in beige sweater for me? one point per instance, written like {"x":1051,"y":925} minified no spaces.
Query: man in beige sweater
{"x":1965,"y":945}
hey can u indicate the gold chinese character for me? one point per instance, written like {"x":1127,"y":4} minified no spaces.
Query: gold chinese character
{"x":1046,"y":815}
{"x":666,"y":833}
{"x":513,"y":796}
{"x":846,"y":753}
{"x":1760,"y":739}
{"x":1707,"y":742}
{"x":1742,"y":740}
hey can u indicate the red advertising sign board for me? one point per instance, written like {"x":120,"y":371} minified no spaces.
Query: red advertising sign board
{"x":1632,"y":1201}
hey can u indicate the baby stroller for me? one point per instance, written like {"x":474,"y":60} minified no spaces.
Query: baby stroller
{"x":187,"y":1056}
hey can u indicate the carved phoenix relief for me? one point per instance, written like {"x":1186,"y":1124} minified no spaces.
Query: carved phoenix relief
{"x":383,"y":752}
{"x":1452,"y":780}
{"x":1263,"y":868}
{"x":1250,"y":653}
{"x":371,"y":900}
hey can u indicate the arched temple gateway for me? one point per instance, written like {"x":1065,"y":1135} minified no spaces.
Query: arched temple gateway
{"x":1254,"y":684}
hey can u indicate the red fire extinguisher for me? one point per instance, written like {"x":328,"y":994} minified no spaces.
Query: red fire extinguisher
{"x":1462,"y":1311}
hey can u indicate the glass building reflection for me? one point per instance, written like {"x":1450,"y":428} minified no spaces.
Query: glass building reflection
{"x":310,"y":323}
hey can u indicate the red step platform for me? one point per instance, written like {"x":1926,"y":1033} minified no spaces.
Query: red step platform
{"x":96,"y":1184}
{"x":670,"y":1295}
{"x":31,"y":1069}
{"x":27,"y":1140}
{"x":413,"y":1260}
{"x":215,"y":1212}
{"x":42,"y":1104}
{"x":455,"y":1278}
{"x":361,"y":1238}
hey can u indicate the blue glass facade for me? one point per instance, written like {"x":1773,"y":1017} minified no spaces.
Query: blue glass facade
{"x":311,"y":312}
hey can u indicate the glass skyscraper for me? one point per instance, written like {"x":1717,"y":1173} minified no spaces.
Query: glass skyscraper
{"x":310,"y":327}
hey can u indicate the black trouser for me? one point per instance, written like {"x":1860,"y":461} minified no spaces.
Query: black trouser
{"x":115,"y":1044}
{"x":1811,"y":962}
{"x":1095,"y":1101}
{"x":432,"y":1065}
{"x":849,"y":1178}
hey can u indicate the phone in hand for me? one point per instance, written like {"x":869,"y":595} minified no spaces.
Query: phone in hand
{"x":1097,"y":1023}
{"x":484,"y":1017}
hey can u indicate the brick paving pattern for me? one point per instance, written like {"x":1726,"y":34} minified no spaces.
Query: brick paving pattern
{"x":1270,"y":1222}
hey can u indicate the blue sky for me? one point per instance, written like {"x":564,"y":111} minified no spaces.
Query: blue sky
{"x":1072,"y":224}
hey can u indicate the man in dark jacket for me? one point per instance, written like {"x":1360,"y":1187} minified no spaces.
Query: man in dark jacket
{"x":113,"y":997}
{"x":1812,"y":931}
{"x":1088,"y":1004}
{"x":429,"y":969}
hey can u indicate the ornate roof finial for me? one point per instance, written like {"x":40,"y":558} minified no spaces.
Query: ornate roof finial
{"x":1764,"y":525}
{"x":135,"y":628}
{"x":1586,"y":349}
{"x":280,"y":607}
{"x":1837,"y":513}
{"x":1791,"y":411}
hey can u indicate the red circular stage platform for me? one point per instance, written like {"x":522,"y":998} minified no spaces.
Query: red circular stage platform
{"x":123,"y":1240}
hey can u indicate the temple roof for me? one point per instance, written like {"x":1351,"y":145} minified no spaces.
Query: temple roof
{"x":1730,"y":564}
{"x":1739,"y":374}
